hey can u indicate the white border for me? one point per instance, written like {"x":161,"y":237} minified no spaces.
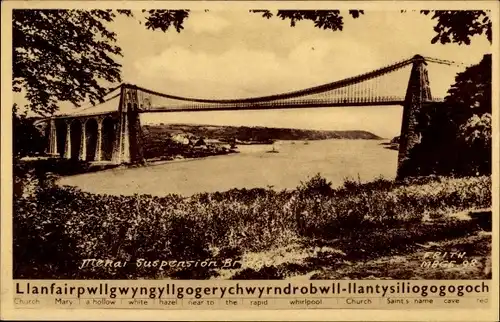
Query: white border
{"x":6,"y":309}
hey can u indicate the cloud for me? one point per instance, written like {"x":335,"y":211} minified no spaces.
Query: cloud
{"x":243,"y":72}
{"x":237,"y":71}
{"x":228,"y":56}
{"x":342,"y":56}
{"x":203,"y":22}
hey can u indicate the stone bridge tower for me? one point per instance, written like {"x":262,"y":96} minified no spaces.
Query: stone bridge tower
{"x":417,"y":94}
{"x":129,"y":144}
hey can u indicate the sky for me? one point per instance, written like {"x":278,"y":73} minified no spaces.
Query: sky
{"x":228,"y":54}
{"x":235,"y":54}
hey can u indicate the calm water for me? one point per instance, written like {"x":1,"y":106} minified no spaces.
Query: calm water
{"x":253,"y":167}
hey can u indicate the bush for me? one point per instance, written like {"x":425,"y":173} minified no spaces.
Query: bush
{"x":27,"y":138}
{"x":317,"y":185}
{"x":56,"y":228}
{"x":32,"y":176}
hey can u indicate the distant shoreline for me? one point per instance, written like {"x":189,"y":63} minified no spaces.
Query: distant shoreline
{"x":254,"y":135}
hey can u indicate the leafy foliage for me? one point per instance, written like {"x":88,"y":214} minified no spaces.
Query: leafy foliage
{"x":456,"y":135}
{"x":63,"y":55}
{"x":471,"y":92}
{"x":56,"y":228}
{"x":477,"y":130}
{"x":323,"y":19}
{"x":27,"y":139}
{"x":459,"y":26}
{"x":317,"y":185}
{"x":164,"y":19}
{"x":69,"y":55}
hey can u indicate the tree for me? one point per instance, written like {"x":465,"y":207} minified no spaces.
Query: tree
{"x":471,"y":95}
{"x":67,"y":55}
{"x":456,"y":134}
{"x":63,"y":55}
{"x":26,"y":138}
{"x":471,"y":92}
{"x":459,"y":26}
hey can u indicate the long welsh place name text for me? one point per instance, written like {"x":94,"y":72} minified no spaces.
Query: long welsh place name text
{"x":171,"y":289}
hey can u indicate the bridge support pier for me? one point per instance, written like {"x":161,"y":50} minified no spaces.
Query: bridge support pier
{"x":417,"y":93}
{"x":53,"y":138}
{"x":129,"y":149}
{"x":67,"y":145}
{"x":98,"y":148}
{"x":83,"y":142}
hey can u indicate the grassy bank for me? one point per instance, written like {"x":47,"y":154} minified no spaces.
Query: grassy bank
{"x":56,"y":228}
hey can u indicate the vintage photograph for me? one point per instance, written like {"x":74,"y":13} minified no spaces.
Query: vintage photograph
{"x":262,"y":144}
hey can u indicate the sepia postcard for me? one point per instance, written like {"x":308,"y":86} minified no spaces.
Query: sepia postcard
{"x":250,"y":160}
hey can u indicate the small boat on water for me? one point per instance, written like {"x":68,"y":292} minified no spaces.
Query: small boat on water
{"x":273,"y":150}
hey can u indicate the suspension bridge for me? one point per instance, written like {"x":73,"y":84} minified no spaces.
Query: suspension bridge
{"x":111,"y":131}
